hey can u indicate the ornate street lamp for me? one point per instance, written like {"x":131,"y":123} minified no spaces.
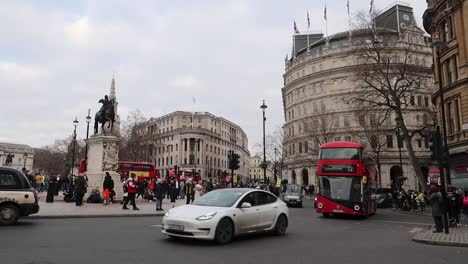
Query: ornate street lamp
{"x":25,"y":156}
{"x":88,"y":120}
{"x":264,"y":164}
{"x":75,"y":124}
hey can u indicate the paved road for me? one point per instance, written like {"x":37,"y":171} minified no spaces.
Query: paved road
{"x":384,"y":238}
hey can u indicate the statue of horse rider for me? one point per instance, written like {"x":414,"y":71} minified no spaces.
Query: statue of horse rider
{"x":105,"y":114}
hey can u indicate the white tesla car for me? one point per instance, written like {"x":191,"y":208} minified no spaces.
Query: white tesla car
{"x":221,"y":215}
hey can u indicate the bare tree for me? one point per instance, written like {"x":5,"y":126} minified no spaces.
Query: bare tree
{"x":374,"y":132}
{"x":133,"y":137}
{"x":274,"y":148}
{"x":321,"y":130}
{"x":388,"y":76}
{"x":57,"y":158}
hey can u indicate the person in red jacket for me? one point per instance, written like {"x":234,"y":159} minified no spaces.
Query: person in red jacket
{"x":132,"y":189}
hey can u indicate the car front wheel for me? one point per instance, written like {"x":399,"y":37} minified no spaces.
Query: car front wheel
{"x":224,"y":231}
{"x":8,"y":214}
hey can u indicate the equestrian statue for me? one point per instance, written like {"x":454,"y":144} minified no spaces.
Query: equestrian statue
{"x":105,"y":114}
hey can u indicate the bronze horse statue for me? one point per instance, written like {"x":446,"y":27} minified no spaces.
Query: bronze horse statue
{"x":104,"y":115}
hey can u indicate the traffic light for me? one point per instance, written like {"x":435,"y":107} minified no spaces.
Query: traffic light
{"x":236,"y":161}
{"x":436,"y":145}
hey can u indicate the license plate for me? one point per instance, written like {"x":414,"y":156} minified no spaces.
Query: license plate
{"x":337,"y":211}
{"x":176,"y":227}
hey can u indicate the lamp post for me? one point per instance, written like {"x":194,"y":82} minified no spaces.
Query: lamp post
{"x":400,"y":145}
{"x":275,"y":168}
{"x":88,"y":120}
{"x":264,"y":164}
{"x":439,"y":46}
{"x":25,"y":156}
{"x":75,"y":124}
{"x":444,"y":161}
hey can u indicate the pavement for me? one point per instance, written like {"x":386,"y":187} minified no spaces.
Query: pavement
{"x":61,"y":209}
{"x":384,"y":238}
{"x":456,"y":237}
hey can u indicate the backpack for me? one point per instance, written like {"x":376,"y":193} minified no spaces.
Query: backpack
{"x":465,"y":201}
{"x":125,"y":186}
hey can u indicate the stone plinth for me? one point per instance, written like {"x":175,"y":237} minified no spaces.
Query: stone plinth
{"x":103,"y":156}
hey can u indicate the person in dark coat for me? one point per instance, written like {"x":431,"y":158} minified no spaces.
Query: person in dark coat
{"x":80,"y":189}
{"x":435,"y":199}
{"x":189,"y":191}
{"x":173,"y":190}
{"x":159,"y":194}
{"x":109,"y":185}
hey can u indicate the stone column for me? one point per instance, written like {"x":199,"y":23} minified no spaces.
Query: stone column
{"x":103,"y":157}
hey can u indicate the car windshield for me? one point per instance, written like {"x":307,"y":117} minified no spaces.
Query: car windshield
{"x":293,"y":189}
{"x":220,"y":198}
{"x":340,"y":188}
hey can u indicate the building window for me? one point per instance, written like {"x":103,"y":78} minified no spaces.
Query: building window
{"x":449,"y":72}
{"x":337,"y":138}
{"x":306,"y":147}
{"x":346,"y":121}
{"x":419,"y":143}
{"x":347,"y":138}
{"x":322,"y":105}
{"x":452,"y":112}
{"x":300,"y":147}
{"x":314,"y":106}
{"x":419,"y":100}
{"x":185,"y":160}
{"x":389,"y":141}
{"x":337,"y":122}
{"x":447,"y":28}
{"x":321,"y":88}
{"x":426,"y":101}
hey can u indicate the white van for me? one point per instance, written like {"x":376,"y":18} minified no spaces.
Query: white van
{"x":17,"y":197}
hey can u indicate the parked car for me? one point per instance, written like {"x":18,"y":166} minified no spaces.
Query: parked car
{"x":223,"y":214}
{"x":293,"y":195}
{"x":17,"y":197}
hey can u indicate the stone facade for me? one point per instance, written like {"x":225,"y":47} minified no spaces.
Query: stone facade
{"x":23,"y":155}
{"x":447,"y":22}
{"x":319,"y":82}
{"x":256,"y":171}
{"x":195,"y":140}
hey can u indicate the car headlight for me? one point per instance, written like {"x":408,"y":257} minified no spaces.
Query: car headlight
{"x":167,"y":213}
{"x":206,"y":217}
{"x":286,"y":198}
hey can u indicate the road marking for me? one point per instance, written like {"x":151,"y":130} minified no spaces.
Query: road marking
{"x":398,"y":222}
{"x":156,"y":226}
{"x":415,"y":230}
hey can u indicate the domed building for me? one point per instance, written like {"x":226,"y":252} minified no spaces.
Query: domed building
{"x":320,"y":84}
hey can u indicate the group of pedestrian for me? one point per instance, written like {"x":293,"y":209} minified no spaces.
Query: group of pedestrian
{"x":409,"y":201}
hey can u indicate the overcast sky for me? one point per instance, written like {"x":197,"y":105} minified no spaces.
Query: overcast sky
{"x":57,"y":59}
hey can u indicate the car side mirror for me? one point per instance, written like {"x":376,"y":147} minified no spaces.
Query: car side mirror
{"x":246,"y":205}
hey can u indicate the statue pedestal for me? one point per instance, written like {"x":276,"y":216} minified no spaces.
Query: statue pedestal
{"x":103,"y":155}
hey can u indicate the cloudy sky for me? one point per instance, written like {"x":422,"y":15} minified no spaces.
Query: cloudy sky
{"x":57,"y":59}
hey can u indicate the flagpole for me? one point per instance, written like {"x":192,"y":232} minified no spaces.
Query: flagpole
{"x":349,"y":22}
{"x":308,"y":30}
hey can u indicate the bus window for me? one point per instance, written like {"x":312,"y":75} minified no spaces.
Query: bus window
{"x":341,"y":153}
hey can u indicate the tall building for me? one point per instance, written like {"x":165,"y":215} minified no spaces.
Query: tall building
{"x":21,"y":156}
{"x":447,"y":22}
{"x":195,"y":141}
{"x":319,"y":81}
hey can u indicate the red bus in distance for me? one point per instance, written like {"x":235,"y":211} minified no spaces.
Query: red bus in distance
{"x":124,"y":168}
{"x":344,"y":182}
{"x":141,"y":169}
{"x":185,"y":174}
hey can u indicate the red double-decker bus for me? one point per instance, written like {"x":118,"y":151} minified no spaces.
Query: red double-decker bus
{"x":141,"y":169}
{"x":345,"y":182}
{"x":185,"y":174}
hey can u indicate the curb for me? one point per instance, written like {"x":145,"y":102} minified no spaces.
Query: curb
{"x":92,"y":216}
{"x":440,"y":243}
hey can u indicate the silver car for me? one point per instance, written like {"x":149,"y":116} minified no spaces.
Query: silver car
{"x":293,"y":195}
{"x":223,"y":214}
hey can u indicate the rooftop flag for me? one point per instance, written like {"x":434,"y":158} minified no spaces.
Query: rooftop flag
{"x":371,"y":6}
{"x":308,"y":20}
{"x":296,"y":31}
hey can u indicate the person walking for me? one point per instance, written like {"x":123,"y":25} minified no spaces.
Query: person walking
{"x":435,"y":199}
{"x":109,"y":185}
{"x":189,"y":191}
{"x":173,"y":190}
{"x":182,"y":190}
{"x":421,"y":198}
{"x":159,"y":194}
{"x":199,"y":191}
{"x":132,"y":189}
{"x":80,"y":189}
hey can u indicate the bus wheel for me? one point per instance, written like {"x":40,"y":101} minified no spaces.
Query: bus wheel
{"x":326,"y":215}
